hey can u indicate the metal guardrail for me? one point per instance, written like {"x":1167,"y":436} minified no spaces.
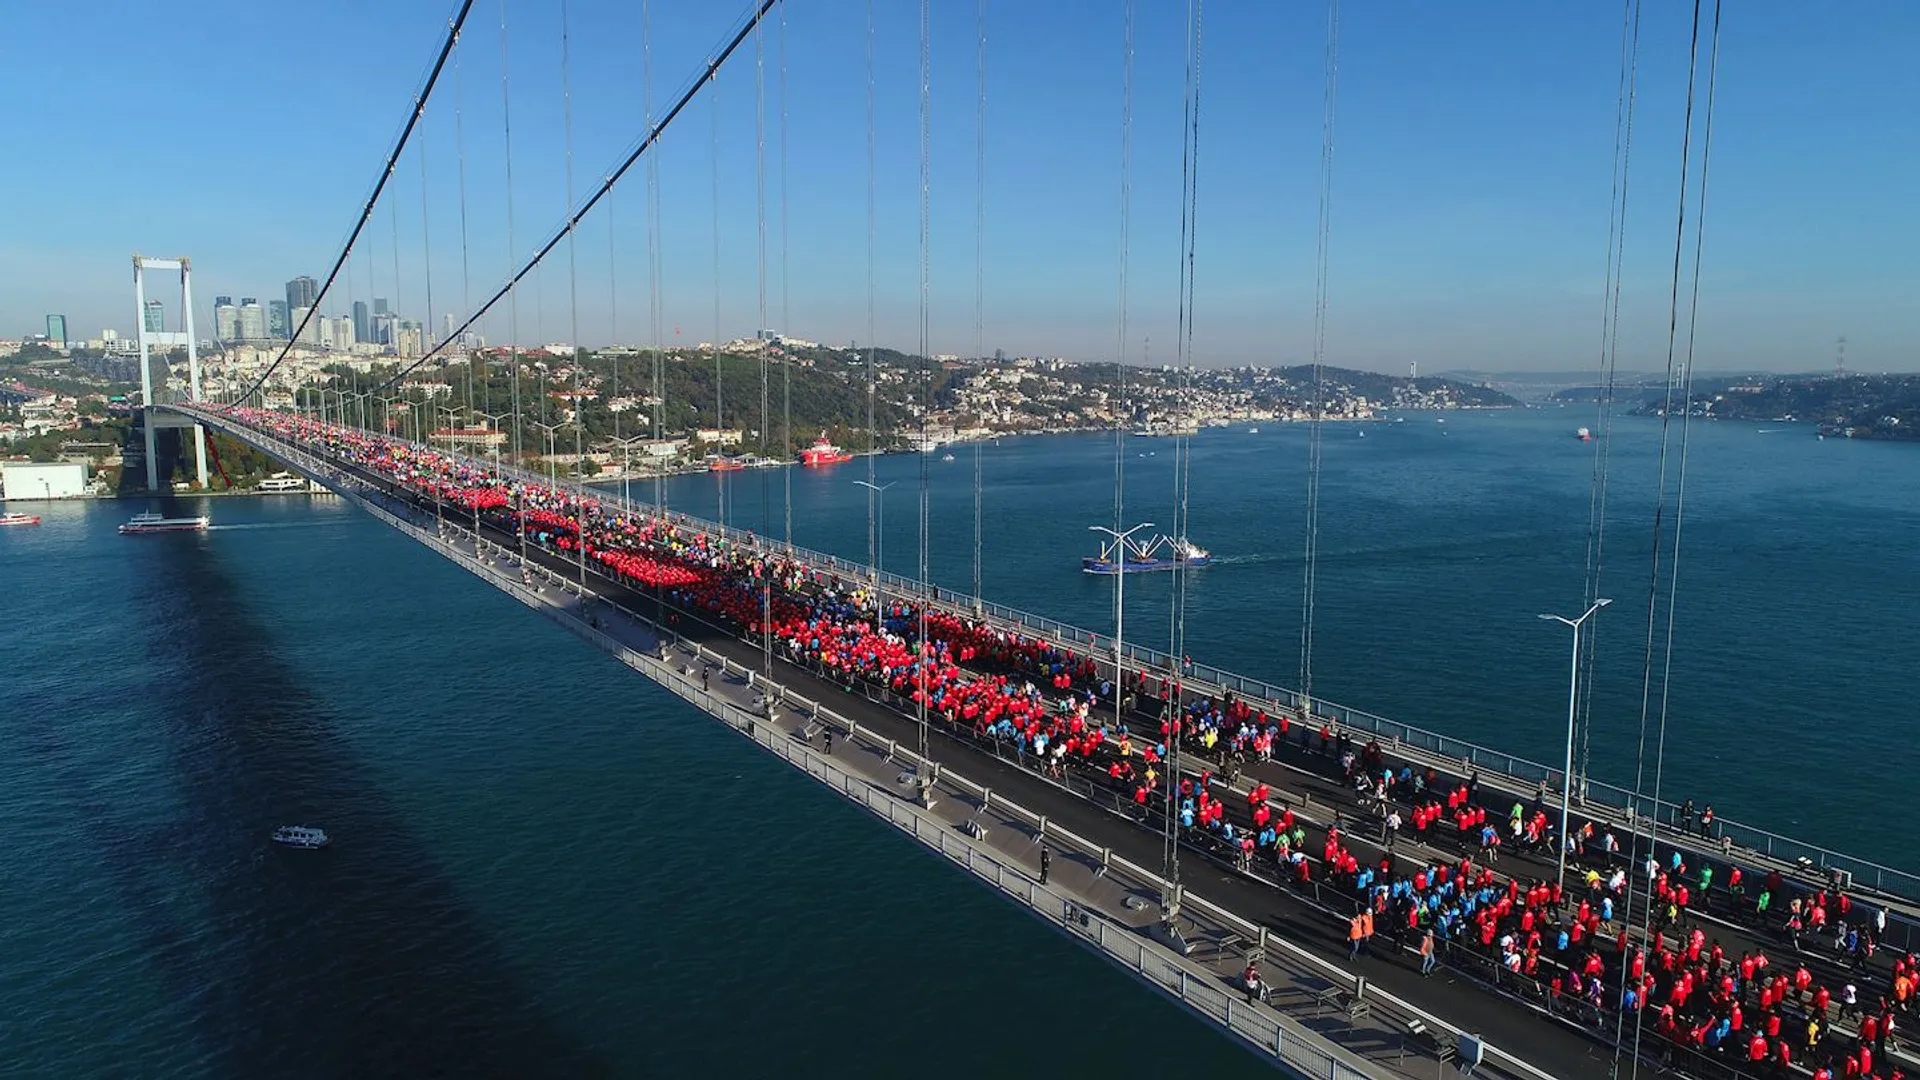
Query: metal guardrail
{"x":1449,"y":751}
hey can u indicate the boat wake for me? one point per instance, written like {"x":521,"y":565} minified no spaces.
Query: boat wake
{"x":269,"y":525}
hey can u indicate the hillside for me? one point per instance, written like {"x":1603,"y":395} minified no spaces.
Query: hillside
{"x":1862,"y":406}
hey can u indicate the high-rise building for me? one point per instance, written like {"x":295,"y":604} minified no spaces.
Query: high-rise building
{"x":311,"y":335}
{"x":385,"y":327}
{"x":336,"y":332}
{"x":253,"y":320}
{"x":379,"y":305}
{"x":155,"y":317}
{"x":302,"y":292}
{"x":57,"y":331}
{"x":362,"y":325}
{"x":226,"y":319}
{"x":277,"y":320}
{"x":446,"y":326}
{"x":408,"y":341}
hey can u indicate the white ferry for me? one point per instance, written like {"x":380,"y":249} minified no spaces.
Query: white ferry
{"x":11,"y":518}
{"x":301,"y":836}
{"x":155,"y":523}
{"x":283,"y":482}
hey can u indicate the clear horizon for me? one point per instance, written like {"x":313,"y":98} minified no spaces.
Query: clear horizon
{"x":1470,"y":198}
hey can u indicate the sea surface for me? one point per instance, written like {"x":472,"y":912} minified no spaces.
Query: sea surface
{"x":544,"y":865}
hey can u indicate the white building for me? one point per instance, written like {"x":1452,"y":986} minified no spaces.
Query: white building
{"x":57,"y":480}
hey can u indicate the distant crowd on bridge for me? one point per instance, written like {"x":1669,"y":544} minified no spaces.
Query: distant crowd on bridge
{"x":1762,"y":973}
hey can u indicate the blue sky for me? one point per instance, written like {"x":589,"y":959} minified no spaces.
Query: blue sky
{"x":1474,"y":151}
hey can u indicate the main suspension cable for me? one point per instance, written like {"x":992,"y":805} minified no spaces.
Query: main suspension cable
{"x":646,"y":142}
{"x":380,"y":185}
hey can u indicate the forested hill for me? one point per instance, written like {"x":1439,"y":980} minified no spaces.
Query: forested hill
{"x":1863,"y":406}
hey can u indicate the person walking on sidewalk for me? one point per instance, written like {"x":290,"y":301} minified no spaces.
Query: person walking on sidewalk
{"x":1427,"y":959}
{"x":1046,"y":864}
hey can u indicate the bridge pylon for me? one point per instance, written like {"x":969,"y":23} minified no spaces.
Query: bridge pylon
{"x":156,"y":370}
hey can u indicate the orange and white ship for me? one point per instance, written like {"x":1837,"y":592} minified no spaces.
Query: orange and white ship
{"x":823,"y":452}
{"x":725,"y":464}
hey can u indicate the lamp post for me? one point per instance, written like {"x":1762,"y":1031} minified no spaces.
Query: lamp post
{"x":1573,"y":690}
{"x":626,"y":467}
{"x":553,"y":476}
{"x":439,"y":499}
{"x":1120,"y":544}
{"x":879,"y":545}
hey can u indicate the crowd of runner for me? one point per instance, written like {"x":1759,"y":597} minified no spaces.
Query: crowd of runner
{"x":1575,"y":946}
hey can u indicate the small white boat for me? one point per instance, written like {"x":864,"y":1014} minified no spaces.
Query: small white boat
{"x":300,"y":836}
{"x":12,"y":518}
{"x":946,"y":457}
{"x":1253,"y":431}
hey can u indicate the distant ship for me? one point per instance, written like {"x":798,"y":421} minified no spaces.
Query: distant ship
{"x":19,"y":519}
{"x":1583,"y":435}
{"x":1160,"y":553}
{"x":823,"y":452}
{"x":154,"y":523}
{"x":725,"y":464}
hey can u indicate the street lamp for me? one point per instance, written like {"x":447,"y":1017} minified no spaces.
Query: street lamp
{"x":879,"y":545}
{"x":626,"y":467}
{"x":1119,"y":612}
{"x":553,"y":475}
{"x":386,"y":414}
{"x":493,"y":425}
{"x":1573,"y":690}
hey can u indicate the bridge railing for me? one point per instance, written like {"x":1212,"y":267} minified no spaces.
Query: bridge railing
{"x":1450,"y":753}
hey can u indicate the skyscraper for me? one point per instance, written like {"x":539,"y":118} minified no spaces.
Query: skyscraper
{"x":311,"y":335}
{"x":277,"y":320}
{"x":226,"y":319}
{"x":362,"y":326}
{"x":253,"y":320}
{"x":302,"y":292}
{"x":57,"y":330}
{"x":379,"y":305}
{"x":155,"y":317}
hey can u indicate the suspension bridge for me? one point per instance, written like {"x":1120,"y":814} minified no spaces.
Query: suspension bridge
{"x":1191,"y":824}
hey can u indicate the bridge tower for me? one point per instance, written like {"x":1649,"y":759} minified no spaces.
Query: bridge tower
{"x":155,"y":371}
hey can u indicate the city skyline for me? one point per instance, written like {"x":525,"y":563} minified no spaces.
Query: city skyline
{"x":1469,"y":220}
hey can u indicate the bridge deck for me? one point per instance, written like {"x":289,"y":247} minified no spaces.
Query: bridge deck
{"x":1310,"y":782}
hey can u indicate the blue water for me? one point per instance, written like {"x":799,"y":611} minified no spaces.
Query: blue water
{"x":545,"y":865}
{"x":1795,"y":654}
